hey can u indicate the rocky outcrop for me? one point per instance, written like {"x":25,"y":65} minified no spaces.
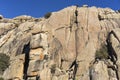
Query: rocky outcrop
{"x":15,"y":70}
{"x":63,"y":46}
{"x":99,"y":71}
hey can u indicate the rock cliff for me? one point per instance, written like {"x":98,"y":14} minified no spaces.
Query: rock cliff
{"x":75,"y":43}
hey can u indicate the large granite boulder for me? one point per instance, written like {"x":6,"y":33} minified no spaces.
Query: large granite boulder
{"x":62,"y":46}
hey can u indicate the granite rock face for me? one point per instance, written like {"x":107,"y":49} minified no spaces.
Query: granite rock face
{"x":63,"y":46}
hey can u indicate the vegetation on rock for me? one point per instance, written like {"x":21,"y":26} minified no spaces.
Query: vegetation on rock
{"x":4,"y":62}
{"x":119,"y":10}
{"x":102,"y":53}
{"x":1,"y":78}
{"x":53,"y":67}
{"x":47,"y":15}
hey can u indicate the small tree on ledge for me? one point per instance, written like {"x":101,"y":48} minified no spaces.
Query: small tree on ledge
{"x":47,"y":15}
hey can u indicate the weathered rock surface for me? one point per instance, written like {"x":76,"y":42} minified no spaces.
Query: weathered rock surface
{"x":99,"y":71}
{"x":62,"y":47}
{"x":16,"y":68}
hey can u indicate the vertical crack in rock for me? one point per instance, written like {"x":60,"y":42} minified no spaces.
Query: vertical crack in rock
{"x":90,"y":72}
{"x":74,"y":64}
{"x":112,"y":53}
{"x":76,"y":22}
{"x":26,"y":51}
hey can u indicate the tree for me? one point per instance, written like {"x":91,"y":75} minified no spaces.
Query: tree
{"x":47,"y":15}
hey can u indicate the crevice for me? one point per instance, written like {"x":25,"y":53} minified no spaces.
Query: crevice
{"x":26,"y":51}
{"x":71,"y":23}
{"x":112,"y":32}
{"x":59,"y":28}
{"x":76,"y":14}
{"x":39,"y":32}
{"x":100,"y":17}
{"x":90,"y":72}
{"x":38,"y":47}
{"x":112,"y":53}
{"x":73,"y":26}
{"x":76,"y":22}
{"x":87,"y":17}
{"x":61,"y":64}
{"x":74,"y":65}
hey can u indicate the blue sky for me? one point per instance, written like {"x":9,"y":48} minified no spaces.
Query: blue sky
{"x":37,"y":8}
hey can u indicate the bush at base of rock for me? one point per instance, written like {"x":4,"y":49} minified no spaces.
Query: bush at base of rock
{"x":1,"y":78}
{"x":4,"y":62}
{"x":102,"y":53}
{"x":53,"y":67}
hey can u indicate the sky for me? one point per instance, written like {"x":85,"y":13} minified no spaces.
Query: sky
{"x":38,"y":8}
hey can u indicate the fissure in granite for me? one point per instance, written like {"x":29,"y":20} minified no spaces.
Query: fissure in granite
{"x":26,"y":51}
{"x":112,"y":53}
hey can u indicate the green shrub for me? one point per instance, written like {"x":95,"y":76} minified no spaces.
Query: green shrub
{"x":119,"y":10}
{"x":102,"y":53}
{"x":1,"y":78}
{"x":47,"y":15}
{"x":53,"y":67}
{"x":4,"y":62}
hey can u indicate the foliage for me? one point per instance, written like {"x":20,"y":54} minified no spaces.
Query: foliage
{"x":1,"y":78}
{"x":53,"y":67}
{"x":119,"y":10}
{"x":102,"y":53}
{"x":47,"y":15}
{"x":4,"y":62}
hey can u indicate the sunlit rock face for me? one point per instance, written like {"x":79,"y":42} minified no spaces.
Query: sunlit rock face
{"x":66,"y":45}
